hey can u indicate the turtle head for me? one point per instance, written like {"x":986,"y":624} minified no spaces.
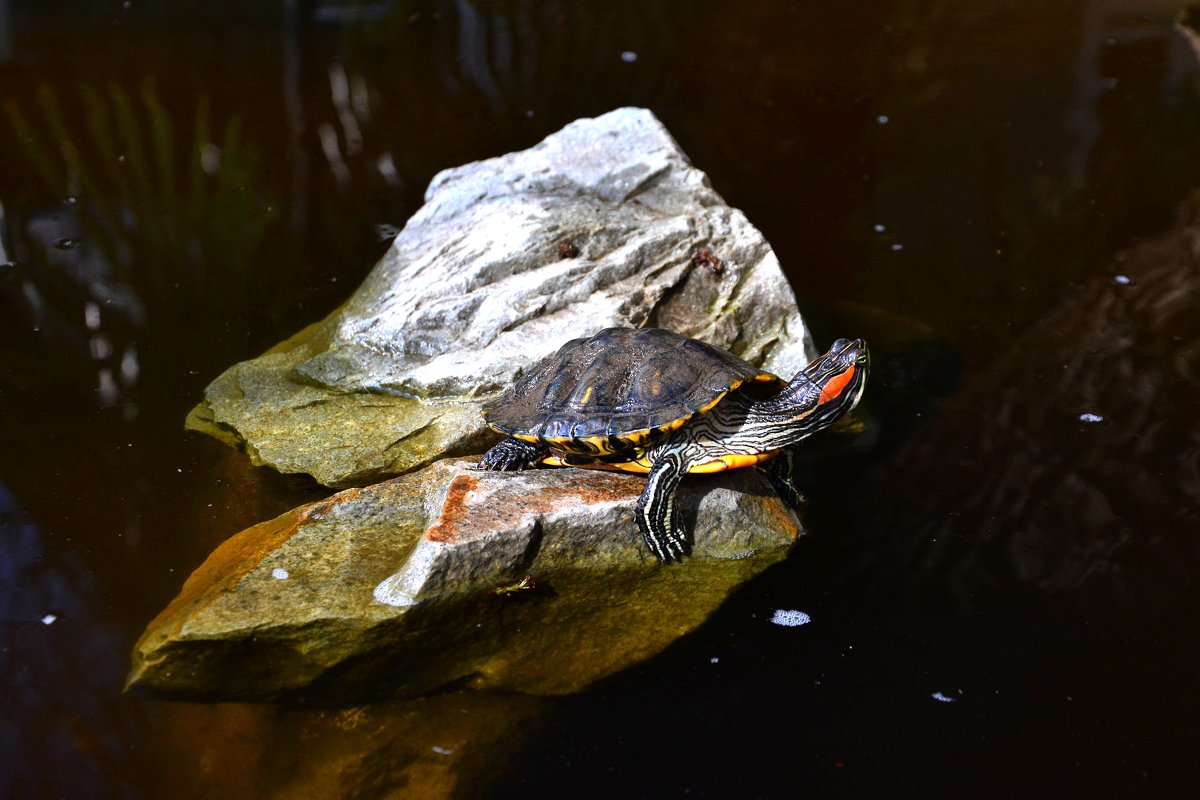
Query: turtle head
{"x":833,"y":384}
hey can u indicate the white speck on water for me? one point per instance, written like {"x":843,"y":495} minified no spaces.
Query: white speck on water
{"x":629,"y":56}
{"x":790,"y":618}
{"x":714,"y":660}
{"x":882,"y":119}
{"x":279,"y":574}
{"x":100,"y":346}
{"x":210,"y":159}
{"x":880,"y":229}
{"x":896,"y":247}
{"x":49,"y":619}
{"x":443,"y":751}
{"x":1088,"y":416}
{"x":1122,"y":280}
{"x":945,"y":698}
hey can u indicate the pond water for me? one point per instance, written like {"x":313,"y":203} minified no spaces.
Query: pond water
{"x":999,"y":593}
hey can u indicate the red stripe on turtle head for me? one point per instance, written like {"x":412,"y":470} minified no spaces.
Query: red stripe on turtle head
{"x":834,"y":386}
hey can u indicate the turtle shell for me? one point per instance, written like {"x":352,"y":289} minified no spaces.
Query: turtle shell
{"x":618,"y":390}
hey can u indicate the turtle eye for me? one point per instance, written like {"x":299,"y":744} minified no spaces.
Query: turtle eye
{"x":861,"y":360}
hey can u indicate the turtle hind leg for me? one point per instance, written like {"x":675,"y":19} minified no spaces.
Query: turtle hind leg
{"x":655,"y":512}
{"x":779,"y":471}
{"x":512,"y":455}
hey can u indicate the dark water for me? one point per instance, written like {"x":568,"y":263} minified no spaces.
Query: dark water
{"x":1003,"y":594}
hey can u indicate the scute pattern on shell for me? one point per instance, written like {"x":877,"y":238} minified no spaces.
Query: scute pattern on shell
{"x":618,"y":383}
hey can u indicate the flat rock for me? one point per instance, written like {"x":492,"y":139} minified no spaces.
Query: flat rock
{"x":389,"y":590}
{"x":598,"y":225}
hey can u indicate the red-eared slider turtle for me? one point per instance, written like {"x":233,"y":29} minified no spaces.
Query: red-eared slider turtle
{"x":652,"y":401}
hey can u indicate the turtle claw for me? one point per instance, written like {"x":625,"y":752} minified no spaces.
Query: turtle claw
{"x":669,"y":546}
{"x":779,"y":471}
{"x":511,"y":455}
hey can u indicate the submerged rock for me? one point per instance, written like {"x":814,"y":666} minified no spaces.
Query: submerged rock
{"x":598,"y":225}
{"x":1071,"y":466}
{"x":332,"y":600}
{"x":445,"y":746}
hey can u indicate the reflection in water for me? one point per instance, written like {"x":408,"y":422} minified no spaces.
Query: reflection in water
{"x":62,"y":731}
{"x":154,"y":222}
{"x":1070,"y":467}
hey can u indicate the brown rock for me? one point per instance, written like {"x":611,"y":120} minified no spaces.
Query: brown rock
{"x":386,"y":590}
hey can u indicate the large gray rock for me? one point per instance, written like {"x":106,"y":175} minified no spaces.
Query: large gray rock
{"x":387,"y":590}
{"x":481,"y":283}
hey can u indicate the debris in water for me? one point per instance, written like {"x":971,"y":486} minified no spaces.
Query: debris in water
{"x":279,"y":574}
{"x":385,"y":232}
{"x":946,"y":698}
{"x":523,"y":586}
{"x":790,"y":618}
{"x":1122,"y":280}
{"x":49,"y":619}
{"x":1088,"y":416}
{"x":629,"y":56}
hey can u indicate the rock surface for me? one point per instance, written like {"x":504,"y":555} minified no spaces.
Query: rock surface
{"x":329,"y":600}
{"x":597,"y":225}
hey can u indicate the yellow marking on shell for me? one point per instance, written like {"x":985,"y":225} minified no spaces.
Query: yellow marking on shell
{"x":674,"y":424}
{"x":586,"y":396}
{"x":639,"y":465}
{"x":762,"y":377}
{"x":571,"y":443}
{"x":732,"y":461}
{"x":704,"y":409}
{"x":520,"y":436}
{"x":601,"y":444}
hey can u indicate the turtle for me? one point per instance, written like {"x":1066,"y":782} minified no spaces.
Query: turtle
{"x":648,"y":400}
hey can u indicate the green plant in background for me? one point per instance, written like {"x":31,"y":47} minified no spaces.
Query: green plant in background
{"x":178,"y":217}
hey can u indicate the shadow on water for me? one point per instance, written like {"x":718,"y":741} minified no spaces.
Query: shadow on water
{"x":1001,"y":588}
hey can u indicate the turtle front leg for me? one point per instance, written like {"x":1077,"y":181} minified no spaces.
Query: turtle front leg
{"x":779,"y":471}
{"x":512,"y":455}
{"x":656,"y":509}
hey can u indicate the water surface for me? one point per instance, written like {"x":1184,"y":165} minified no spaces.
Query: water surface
{"x":1001,"y":594}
